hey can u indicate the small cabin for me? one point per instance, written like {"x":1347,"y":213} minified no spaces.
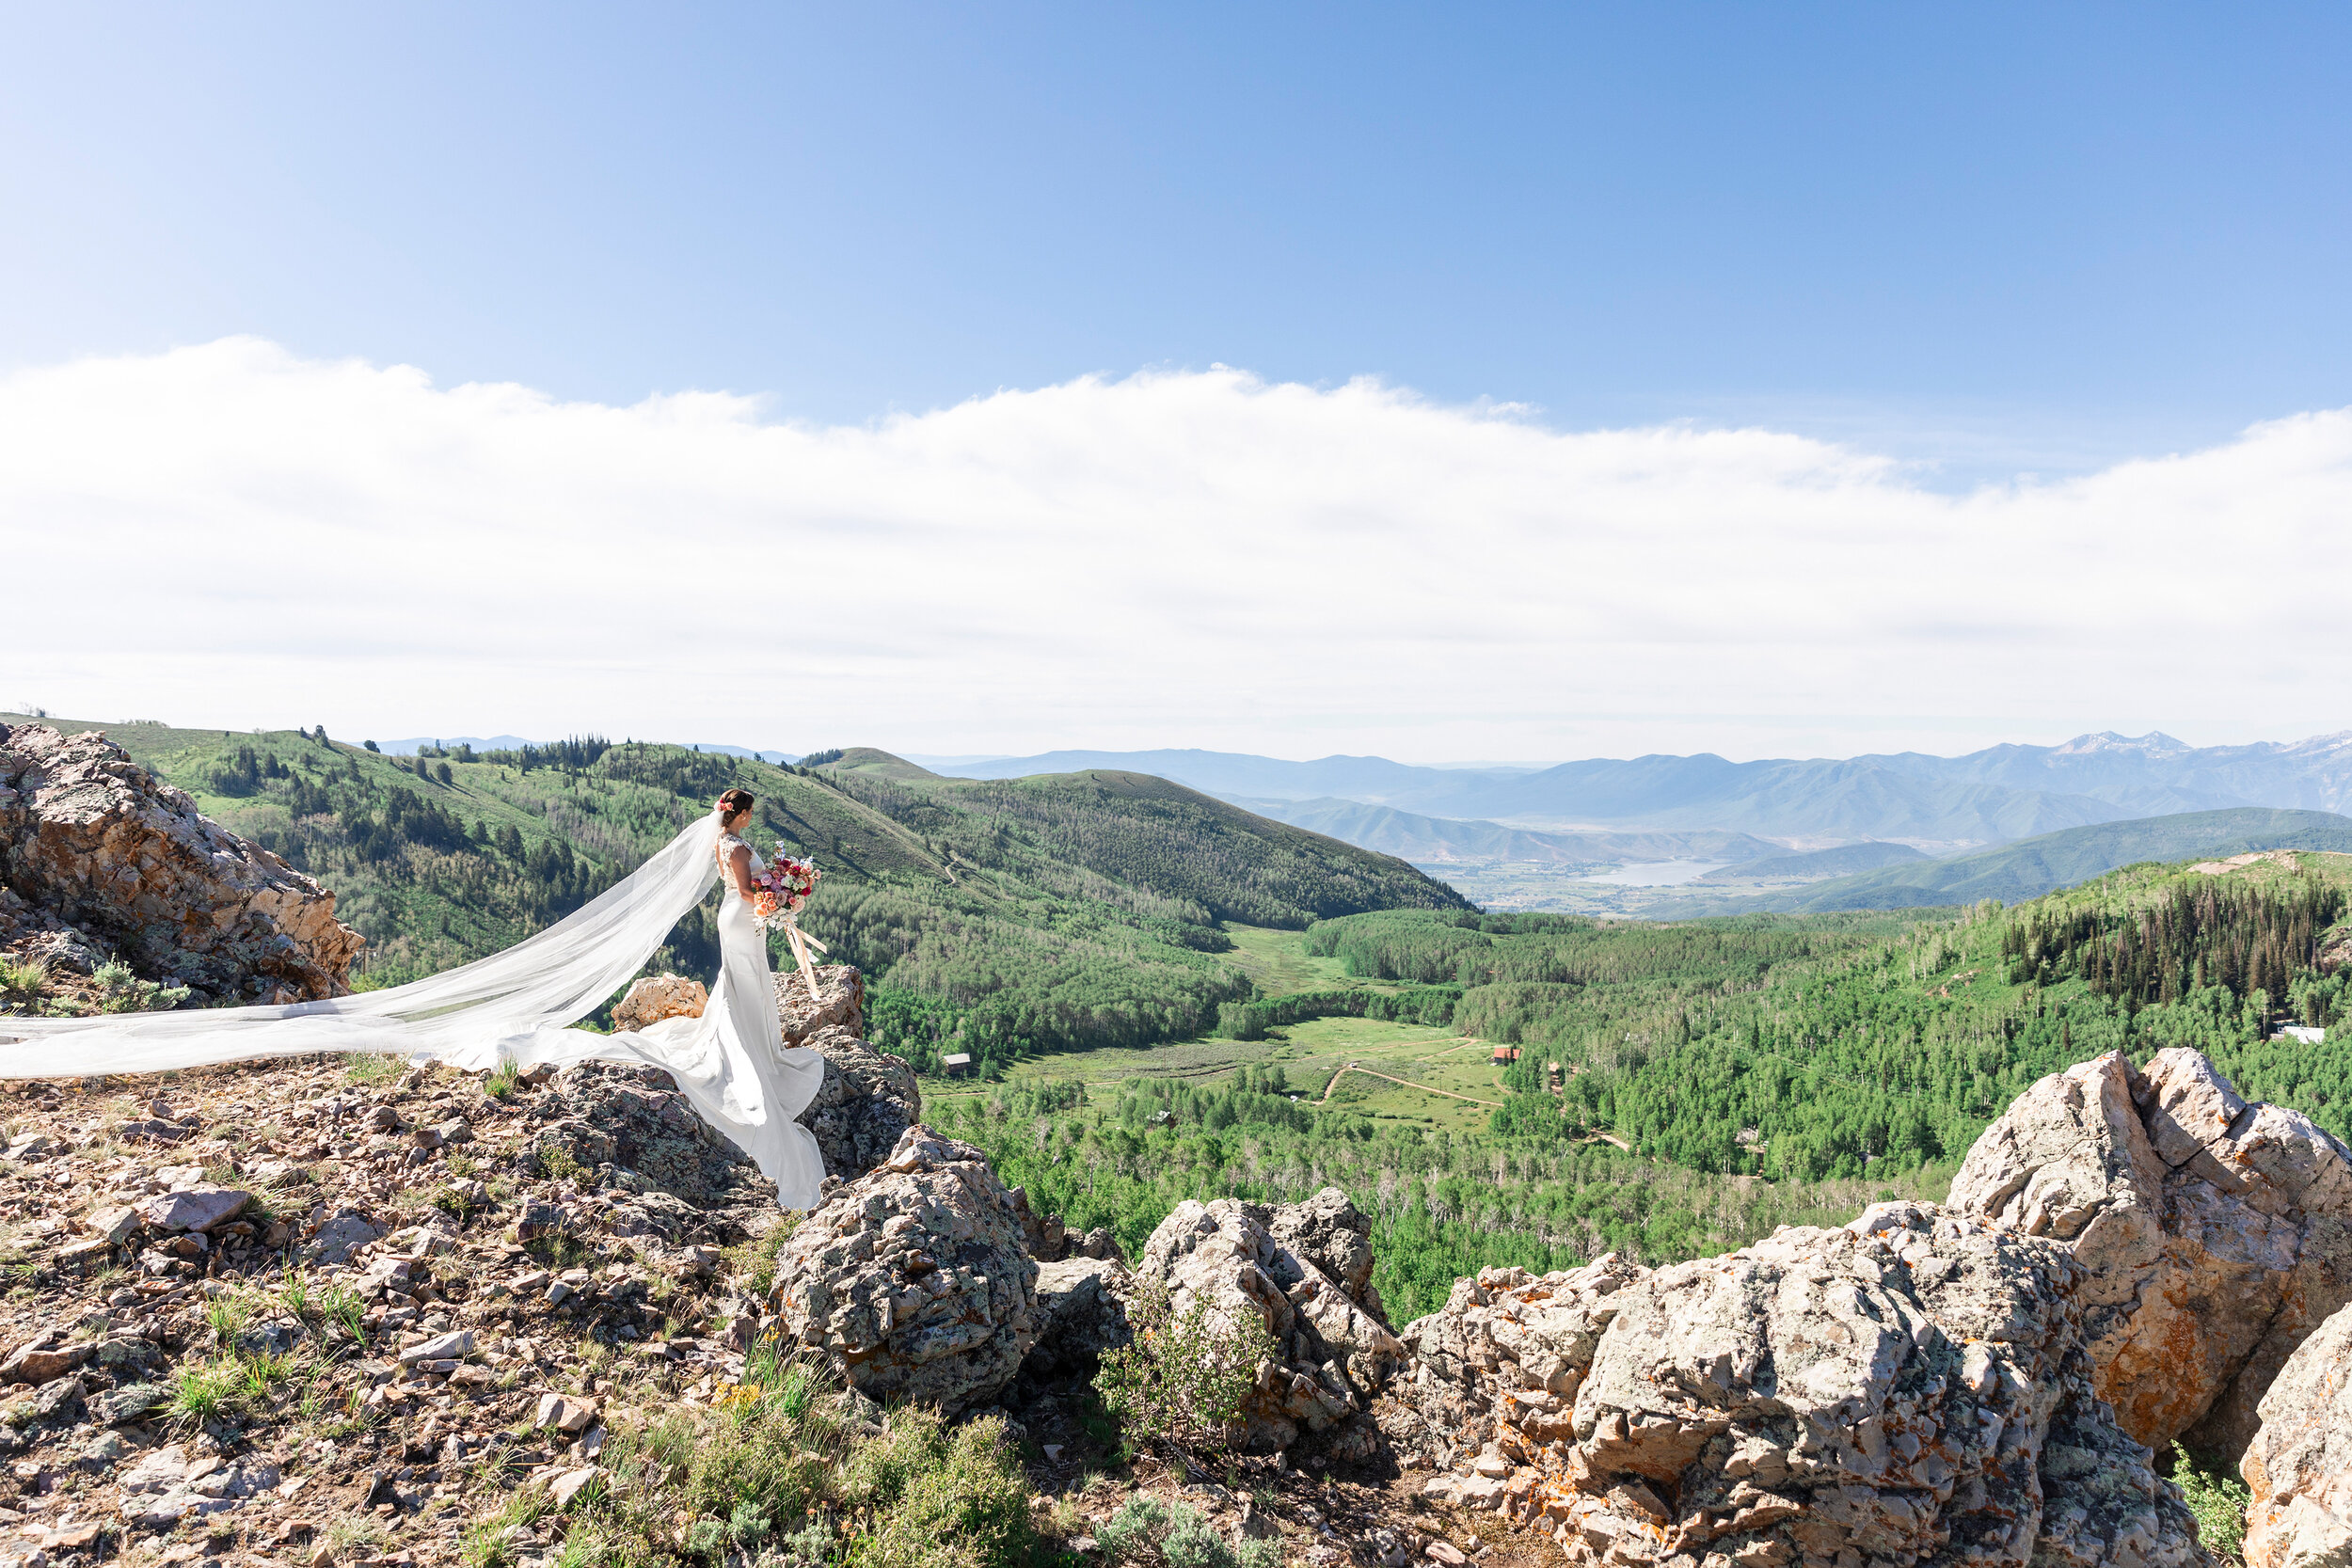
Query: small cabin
{"x":956,"y":1064}
{"x":2310,"y":1034}
{"x":1506,"y":1055}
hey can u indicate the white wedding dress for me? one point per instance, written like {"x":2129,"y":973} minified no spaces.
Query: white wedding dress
{"x":517,"y":1005}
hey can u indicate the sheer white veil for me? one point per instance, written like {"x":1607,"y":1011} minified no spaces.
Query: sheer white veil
{"x":511,"y":1005}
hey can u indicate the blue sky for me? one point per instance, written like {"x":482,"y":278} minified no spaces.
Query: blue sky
{"x":1788,"y":380}
{"x":1995,"y":237}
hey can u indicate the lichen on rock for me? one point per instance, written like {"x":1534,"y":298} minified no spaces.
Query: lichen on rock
{"x":913,"y":1280}
{"x":1913,"y":1388}
{"x":2217,"y":1235}
{"x":100,"y":861}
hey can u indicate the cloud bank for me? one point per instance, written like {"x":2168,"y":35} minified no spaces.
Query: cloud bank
{"x":230,"y":534}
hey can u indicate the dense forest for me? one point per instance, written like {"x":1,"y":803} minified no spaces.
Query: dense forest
{"x":1718,"y":1078}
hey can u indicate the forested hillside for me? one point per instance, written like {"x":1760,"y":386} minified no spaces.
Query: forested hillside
{"x":1720,"y":1077}
{"x":1048,"y":913}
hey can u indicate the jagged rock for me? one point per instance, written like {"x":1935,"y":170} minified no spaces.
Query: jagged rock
{"x":868,"y":1101}
{"x":660,"y":996}
{"x":1913,"y":1387}
{"x":103,"y":857}
{"x":194,"y":1208}
{"x":1048,"y":1239}
{"x":2217,"y":1234}
{"x":1334,"y":1353}
{"x":1100,"y":1243}
{"x":2299,"y":1465}
{"x":612,"y":1121}
{"x":913,"y":1278}
{"x":1081,"y":1312}
{"x":838,"y":1001}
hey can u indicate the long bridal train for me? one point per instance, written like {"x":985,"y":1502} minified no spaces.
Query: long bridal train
{"x":517,"y":1005}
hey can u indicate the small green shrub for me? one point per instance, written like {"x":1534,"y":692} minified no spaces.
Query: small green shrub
{"x":968,"y":1509}
{"x":2217,"y":1501}
{"x":1180,"y":1381}
{"x":1127,"y":1534}
{"x":209,"y":1390}
{"x":23,"y":979}
{"x":121,"y":991}
{"x":500,"y":1082}
{"x":1192,"y":1541}
{"x":761,"y":1457}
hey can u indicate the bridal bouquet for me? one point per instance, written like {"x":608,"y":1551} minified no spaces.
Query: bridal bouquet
{"x":781,"y":890}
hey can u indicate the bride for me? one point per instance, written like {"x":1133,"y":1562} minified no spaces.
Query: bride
{"x":518,"y":1005}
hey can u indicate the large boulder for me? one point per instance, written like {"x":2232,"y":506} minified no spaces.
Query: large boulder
{"x":103,"y":860}
{"x":2299,"y":1465}
{"x":1333,"y":1353}
{"x":2215,"y":1232}
{"x":837,"y":1001}
{"x":626,"y":1127}
{"x":1912,"y":1387}
{"x":911,"y":1279}
{"x":660,"y":996}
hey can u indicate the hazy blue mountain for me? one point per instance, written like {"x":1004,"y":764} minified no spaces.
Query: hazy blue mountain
{"x":2038,"y":865}
{"x":1436,"y":840}
{"x":1998,"y":794}
{"x":1815,"y":864}
{"x":2153,"y":771}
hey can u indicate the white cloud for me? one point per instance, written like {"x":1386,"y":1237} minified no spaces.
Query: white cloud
{"x":230,"y":534}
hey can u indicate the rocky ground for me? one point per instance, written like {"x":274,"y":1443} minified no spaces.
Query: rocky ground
{"x":316,"y":1311}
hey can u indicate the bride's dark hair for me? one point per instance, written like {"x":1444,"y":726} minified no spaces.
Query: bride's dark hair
{"x":736,"y":800}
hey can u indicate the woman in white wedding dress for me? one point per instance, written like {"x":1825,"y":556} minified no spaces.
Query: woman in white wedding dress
{"x":517,"y":1005}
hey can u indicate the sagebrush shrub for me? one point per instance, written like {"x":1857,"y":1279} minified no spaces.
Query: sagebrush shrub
{"x":1180,"y":1381}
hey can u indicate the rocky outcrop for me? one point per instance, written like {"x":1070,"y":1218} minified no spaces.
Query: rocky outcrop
{"x":2213,"y":1232}
{"x":1081,"y":1312}
{"x":1333,"y":1353}
{"x":626,"y":1128}
{"x":1915,"y":1386}
{"x":660,"y":996}
{"x":837,"y":1002}
{"x":913,"y":1280}
{"x":868,"y":1101}
{"x":869,"y":1098}
{"x":100,"y":861}
{"x":2299,"y":1465}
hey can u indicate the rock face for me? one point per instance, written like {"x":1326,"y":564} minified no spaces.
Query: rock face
{"x":838,"y":1001}
{"x":913,"y":1279}
{"x":99,"y":860}
{"x":1287,"y":1265}
{"x":869,"y":1098}
{"x":2217,"y":1235}
{"x":1915,"y":1386}
{"x":628,"y":1128}
{"x":2299,"y":1465}
{"x":660,"y":996}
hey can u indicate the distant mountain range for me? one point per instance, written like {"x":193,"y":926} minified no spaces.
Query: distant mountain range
{"x":1996,"y":795}
{"x":1435,"y":841}
{"x":2034,"y":867}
